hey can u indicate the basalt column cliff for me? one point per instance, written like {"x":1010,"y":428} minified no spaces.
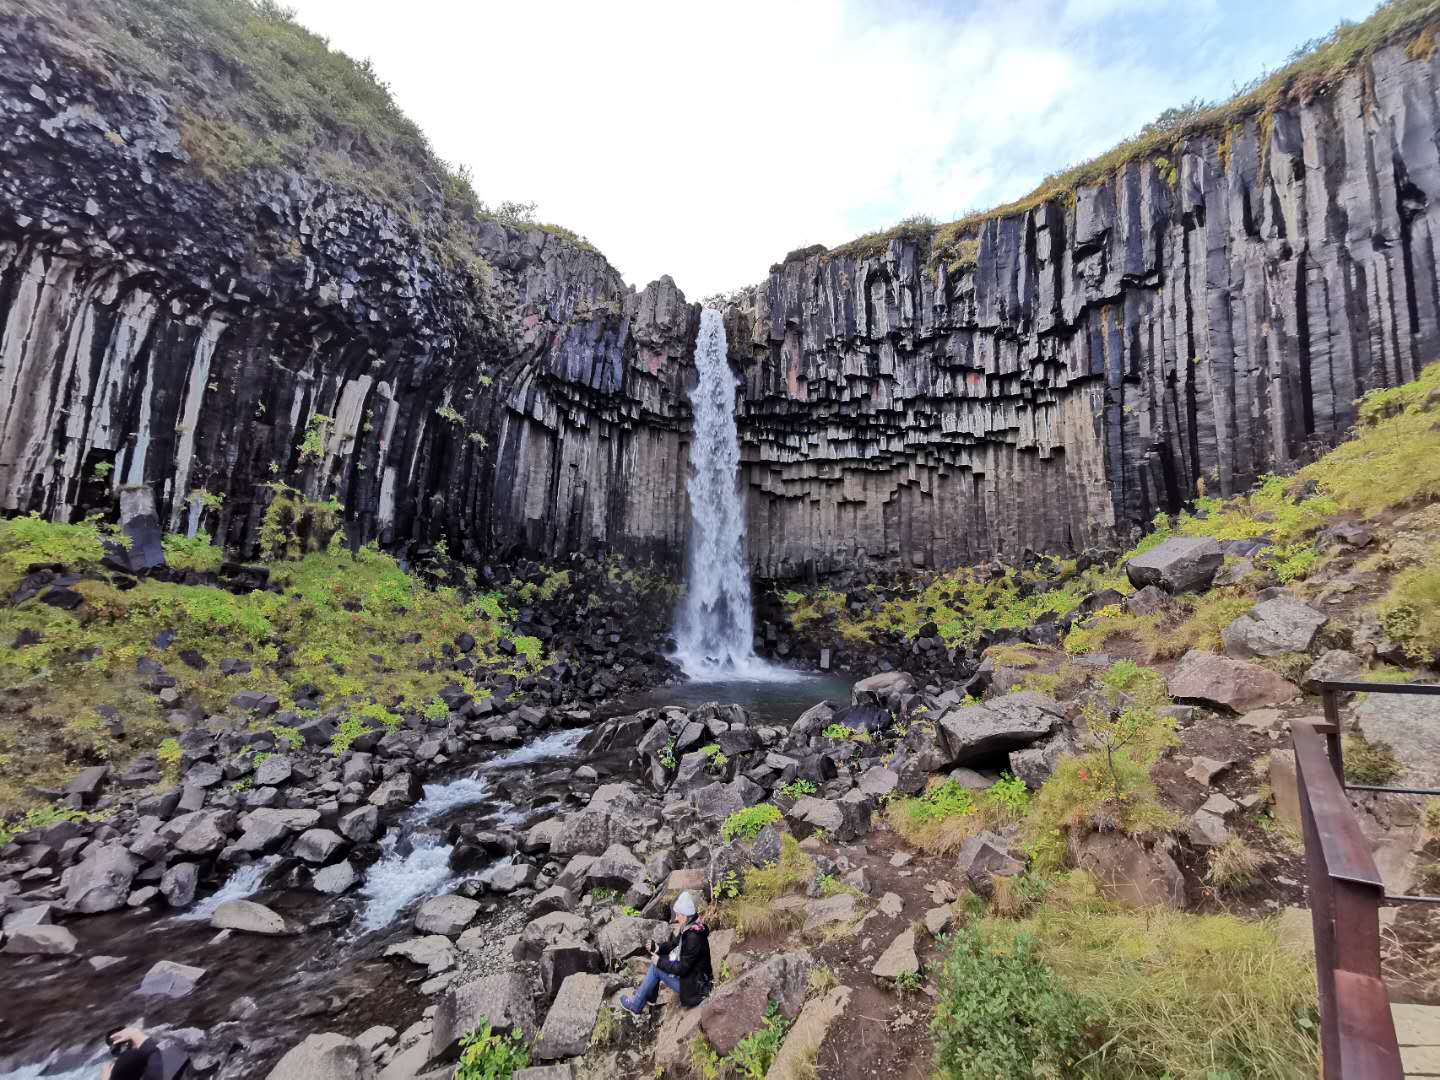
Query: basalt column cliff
{"x":1069,"y":371}
{"x":167,"y":327}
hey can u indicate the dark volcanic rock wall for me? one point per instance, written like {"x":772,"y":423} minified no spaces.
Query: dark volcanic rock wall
{"x":1204,"y":318}
{"x":187,"y":333}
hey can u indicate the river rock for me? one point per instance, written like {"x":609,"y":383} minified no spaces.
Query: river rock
{"x":318,"y":845}
{"x":567,"y":957}
{"x":617,"y":868}
{"x":507,"y":877}
{"x":503,"y":1000}
{"x":273,"y":771}
{"x":248,"y":917}
{"x":1236,"y":685}
{"x":265,"y":829}
{"x":201,"y":832}
{"x":434,"y":952}
{"x":178,"y":884}
{"x":325,"y":1057}
{"x":40,"y":941}
{"x":1277,"y":626}
{"x":101,"y":882}
{"x":171,"y":980}
{"x":571,"y":1019}
{"x":360,"y":825}
{"x":336,"y":879}
{"x":555,"y":898}
{"x":447,"y":915}
{"x":401,"y":790}
{"x":547,"y":930}
{"x":1179,"y":564}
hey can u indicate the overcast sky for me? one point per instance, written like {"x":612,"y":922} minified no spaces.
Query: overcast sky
{"x":706,"y":141}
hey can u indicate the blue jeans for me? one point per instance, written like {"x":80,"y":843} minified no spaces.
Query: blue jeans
{"x":654,"y":979}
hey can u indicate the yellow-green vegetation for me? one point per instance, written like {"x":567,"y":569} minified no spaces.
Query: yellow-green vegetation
{"x":746,"y":824}
{"x":749,"y":903}
{"x":40,"y":816}
{"x":1110,"y":786}
{"x":1410,"y":610}
{"x":1233,"y":866}
{"x":961,"y":603}
{"x":797,"y":789}
{"x":1195,"y":624}
{"x":1171,"y":994}
{"x":1314,"y":66}
{"x":947,"y":814}
{"x":1368,"y":762}
{"x":195,"y":553}
{"x":345,"y":625}
{"x":1013,"y":656}
{"x":1394,"y":457}
{"x":845,"y":733}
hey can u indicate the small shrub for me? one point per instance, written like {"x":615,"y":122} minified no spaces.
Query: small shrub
{"x":437,"y":710}
{"x":169,"y":753}
{"x":346,"y":732}
{"x":747,"y":823}
{"x":195,"y":553}
{"x":485,"y":1055}
{"x":1367,"y":762}
{"x":842,"y":733}
{"x":1002,"y":1012}
{"x":754,"y":1054}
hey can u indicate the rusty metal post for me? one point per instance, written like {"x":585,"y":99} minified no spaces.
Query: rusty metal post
{"x":1322,"y":918}
{"x":1330,"y":697}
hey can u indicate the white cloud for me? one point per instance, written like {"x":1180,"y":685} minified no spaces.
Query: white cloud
{"x":706,"y":141}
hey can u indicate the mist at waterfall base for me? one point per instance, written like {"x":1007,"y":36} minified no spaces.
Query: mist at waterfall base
{"x":714,"y":630}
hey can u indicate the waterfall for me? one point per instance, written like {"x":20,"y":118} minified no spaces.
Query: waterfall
{"x":715,"y":628}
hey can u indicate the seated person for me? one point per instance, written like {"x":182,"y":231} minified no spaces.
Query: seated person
{"x":682,"y":963}
{"x":138,"y":1057}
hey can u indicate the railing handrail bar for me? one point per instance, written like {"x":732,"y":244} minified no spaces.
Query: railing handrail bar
{"x":1380,"y":687}
{"x":1344,"y":849}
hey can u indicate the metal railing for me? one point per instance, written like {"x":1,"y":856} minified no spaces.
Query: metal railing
{"x":1357,"y":1032}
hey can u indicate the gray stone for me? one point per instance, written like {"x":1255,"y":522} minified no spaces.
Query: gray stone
{"x":171,"y":980}
{"x":555,"y":898}
{"x":1333,"y":665}
{"x":318,"y":845}
{"x":101,"y":882}
{"x":39,"y":941}
{"x":1003,"y":724}
{"x":447,"y":915}
{"x":507,"y":877}
{"x":34,"y":915}
{"x":1275,"y":627}
{"x":1179,"y":564}
{"x":400,"y":791}
{"x":434,"y":952}
{"x":1128,"y":872}
{"x":265,"y":829}
{"x":899,"y":958}
{"x":178,"y":884}
{"x":503,"y":1000}
{"x":1237,"y":685}
{"x":272,"y":772}
{"x":325,"y":1057}
{"x":841,"y":820}
{"x":626,"y":936}
{"x":738,"y":1007}
{"x":360,"y":825}
{"x":250,"y":918}
{"x":571,"y":1019}
{"x":984,"y":857}
{"x":547,"y":930}
{"x":336,"y":879}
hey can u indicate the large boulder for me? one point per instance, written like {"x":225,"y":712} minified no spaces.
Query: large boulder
{"x":616,"y":868}
{"x":571,"y":1019}
{"x":1180,"y":564}
{"x":102,"y":881}
{"x":434,"y":952}
{"x":503,"y":1000}
{"x":565,"y":958}
{"x":881,"y":689}
{"x":716,"y":801}
{"x":1275,"y":627}
{"x":318,"y":845}
{"x":1128,"y":872}
{"x":1006,"y":723}
{"x":1037,"y":762}
{"x":1236,"y":685}
{"x":738,"y":1007}
{"x":401,"y":790}
{"x":265,"y":829}
{"x":899,"y":958}
{"x":447,"y":915}
{"x":919,"y":754}
{"x":201,"y":832}
{"x":178,"y":884}
{"x":325,"y":1057}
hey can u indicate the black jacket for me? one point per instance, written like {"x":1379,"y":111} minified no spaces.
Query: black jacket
{"x":693,"y":964}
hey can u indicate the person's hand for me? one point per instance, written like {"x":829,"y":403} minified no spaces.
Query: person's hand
{"x":133,"y":1035}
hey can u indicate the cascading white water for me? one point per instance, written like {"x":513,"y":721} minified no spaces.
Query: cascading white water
{"x":715,"y":628}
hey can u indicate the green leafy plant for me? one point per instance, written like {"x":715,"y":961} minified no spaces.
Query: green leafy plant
{"x":666,"y":757}
{"x":312,"y":446}
{"x":843,"y":733}
{"x":718,"y":761}
{"x":437,"y":710}
{"x":797,"y":789}
{"x":754,"y":1054}
{"x":747,"y":823}
{"x":1002,"y":1012}
{"x":485,"y":1055}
